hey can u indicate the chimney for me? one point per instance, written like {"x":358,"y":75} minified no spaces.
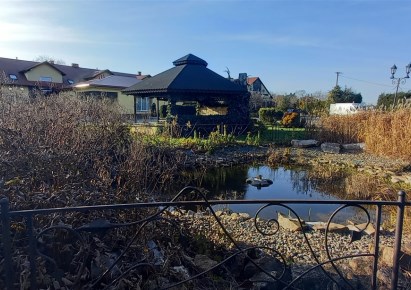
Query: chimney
{"x":75,"y":65}
{"x":242,"y":77}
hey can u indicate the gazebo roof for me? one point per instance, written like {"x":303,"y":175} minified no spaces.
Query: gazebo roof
{"x":189,"y":75}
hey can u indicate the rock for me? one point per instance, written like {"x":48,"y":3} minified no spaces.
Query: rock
{"x":333,"y":227}
{"x":354,"y":146}
{"x":180,"y":272}
{"x":361,"y":265}
{"x":158,"y":255}
{"x":304,"y":143}
{"x":235,"y":216}
{"x":244,"y":216}
{"x":368,"y":229}
{"x":291,"y":224}
{"x":387,"y":255}
{"x":331,"y":148}
{"x":395,"y":179}
{"x":203,"y":262}
{"x":269,"y":264}
{"x":219,"y":213}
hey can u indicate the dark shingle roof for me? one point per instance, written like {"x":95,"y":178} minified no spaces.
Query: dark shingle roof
{"x":190,"y":75}
{"x":76,"y":74}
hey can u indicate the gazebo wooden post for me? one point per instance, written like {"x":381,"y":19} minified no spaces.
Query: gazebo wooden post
{"x":158,"y":109}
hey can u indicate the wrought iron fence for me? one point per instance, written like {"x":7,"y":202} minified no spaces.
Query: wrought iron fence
{"x":56,"y":247}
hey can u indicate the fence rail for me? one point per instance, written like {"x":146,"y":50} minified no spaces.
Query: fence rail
{"x":40,"y":247}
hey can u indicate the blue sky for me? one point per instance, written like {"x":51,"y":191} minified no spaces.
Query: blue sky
{"x":291,"y":45}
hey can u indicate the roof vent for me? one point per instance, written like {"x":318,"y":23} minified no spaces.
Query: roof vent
{"x":190,"y":59}
{"x":75,"y":65}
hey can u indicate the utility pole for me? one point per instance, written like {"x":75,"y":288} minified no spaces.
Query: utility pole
{"x":338,"y":74}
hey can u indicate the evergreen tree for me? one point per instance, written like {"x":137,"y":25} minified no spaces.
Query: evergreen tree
{"x":337,"y":95}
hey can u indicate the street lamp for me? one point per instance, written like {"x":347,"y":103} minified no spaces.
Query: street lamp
{"x":397,"y":81}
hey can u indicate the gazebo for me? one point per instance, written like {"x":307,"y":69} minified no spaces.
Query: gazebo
{"x":190,"y":93}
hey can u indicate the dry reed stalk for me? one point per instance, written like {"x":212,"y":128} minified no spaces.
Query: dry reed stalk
{"x":389,"y":133}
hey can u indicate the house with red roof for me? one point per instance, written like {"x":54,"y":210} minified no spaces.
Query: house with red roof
{"x":27,"y":78}
{"x":255,"y":85}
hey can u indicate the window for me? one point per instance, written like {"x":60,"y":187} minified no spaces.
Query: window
{"x":142,"y":104}
{"x":70,"y":82}
{"x":13,"y":77}
{"x":45,"y":79}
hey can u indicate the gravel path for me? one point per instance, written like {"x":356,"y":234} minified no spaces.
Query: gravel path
{"x":292,"y":245}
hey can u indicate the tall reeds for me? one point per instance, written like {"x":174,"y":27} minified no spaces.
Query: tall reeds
{"x":385,"y":133}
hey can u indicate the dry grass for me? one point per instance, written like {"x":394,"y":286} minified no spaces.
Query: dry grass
{"x":385,"y":133}
{"x":342,"y":129}
{"x":388,"y":133}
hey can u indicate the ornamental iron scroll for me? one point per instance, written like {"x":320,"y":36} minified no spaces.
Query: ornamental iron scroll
{"x":155,"y":247}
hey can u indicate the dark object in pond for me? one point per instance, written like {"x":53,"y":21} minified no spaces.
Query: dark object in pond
{"x":259,"y":181}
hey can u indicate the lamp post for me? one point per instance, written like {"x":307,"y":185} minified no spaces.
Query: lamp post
{"x":397,"y":81}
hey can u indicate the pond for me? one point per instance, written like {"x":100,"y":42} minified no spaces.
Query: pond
{"x":296,"y":183}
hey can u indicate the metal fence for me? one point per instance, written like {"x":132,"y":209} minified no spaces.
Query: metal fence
{"x":37,"y":236}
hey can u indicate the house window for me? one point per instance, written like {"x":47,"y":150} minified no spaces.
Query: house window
{"x":142,"y":104}
{"x":45,"y":79}
{"x":70,"y":82}
{"x":13,"y":77}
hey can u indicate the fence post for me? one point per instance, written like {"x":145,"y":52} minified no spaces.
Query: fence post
{"x":397,"y":242}
{"x":8,"y":264}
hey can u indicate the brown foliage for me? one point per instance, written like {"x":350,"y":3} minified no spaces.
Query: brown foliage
{"x":61,"y":150}
{"x":342,"y":128}
{"x":388,"y":133}
{"x":385,"y":133}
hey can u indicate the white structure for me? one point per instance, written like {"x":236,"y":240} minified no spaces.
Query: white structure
{"x":345,"y":108}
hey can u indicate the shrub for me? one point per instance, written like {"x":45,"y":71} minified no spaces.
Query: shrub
{"x":291,"y":119}
{"x":64,"y":145}
{"x":269,"y":115}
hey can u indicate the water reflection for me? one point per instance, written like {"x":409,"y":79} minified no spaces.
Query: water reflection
{"x":296,"y":183}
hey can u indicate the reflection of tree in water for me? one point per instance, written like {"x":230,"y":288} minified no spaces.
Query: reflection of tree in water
{"x":323,"y":179}
{"x":300,"y":181}
{"x":222,"y":182}
{"x":328,"y":180}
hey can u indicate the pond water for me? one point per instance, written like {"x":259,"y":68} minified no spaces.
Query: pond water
{"x":230,"y":183}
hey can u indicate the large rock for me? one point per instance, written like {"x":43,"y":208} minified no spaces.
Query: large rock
{"x":331,"y":148}
{"x":204,"y":263}
{"x":291,"y":224}
{"x":271,"y":265}
{"x":368,"y":229}
{"x":387,"y":254}
{"x":354,"y":147}
{"x":304,"y":143}
{"x":332,"y":227}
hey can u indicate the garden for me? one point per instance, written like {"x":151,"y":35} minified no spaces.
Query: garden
{"x":61,"y":151}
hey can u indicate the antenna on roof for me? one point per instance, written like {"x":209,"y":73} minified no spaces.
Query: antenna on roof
{"x":228,"y":72}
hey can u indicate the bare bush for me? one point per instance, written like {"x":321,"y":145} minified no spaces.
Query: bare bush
{"x":58,"y":144}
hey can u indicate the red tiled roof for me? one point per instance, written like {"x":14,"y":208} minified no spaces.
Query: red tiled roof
{"x":250,"y":81}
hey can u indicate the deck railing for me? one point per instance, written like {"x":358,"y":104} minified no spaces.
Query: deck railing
{"x":37,"y":236}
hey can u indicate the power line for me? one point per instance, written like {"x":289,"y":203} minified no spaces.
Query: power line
{"x":377,"y":84}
